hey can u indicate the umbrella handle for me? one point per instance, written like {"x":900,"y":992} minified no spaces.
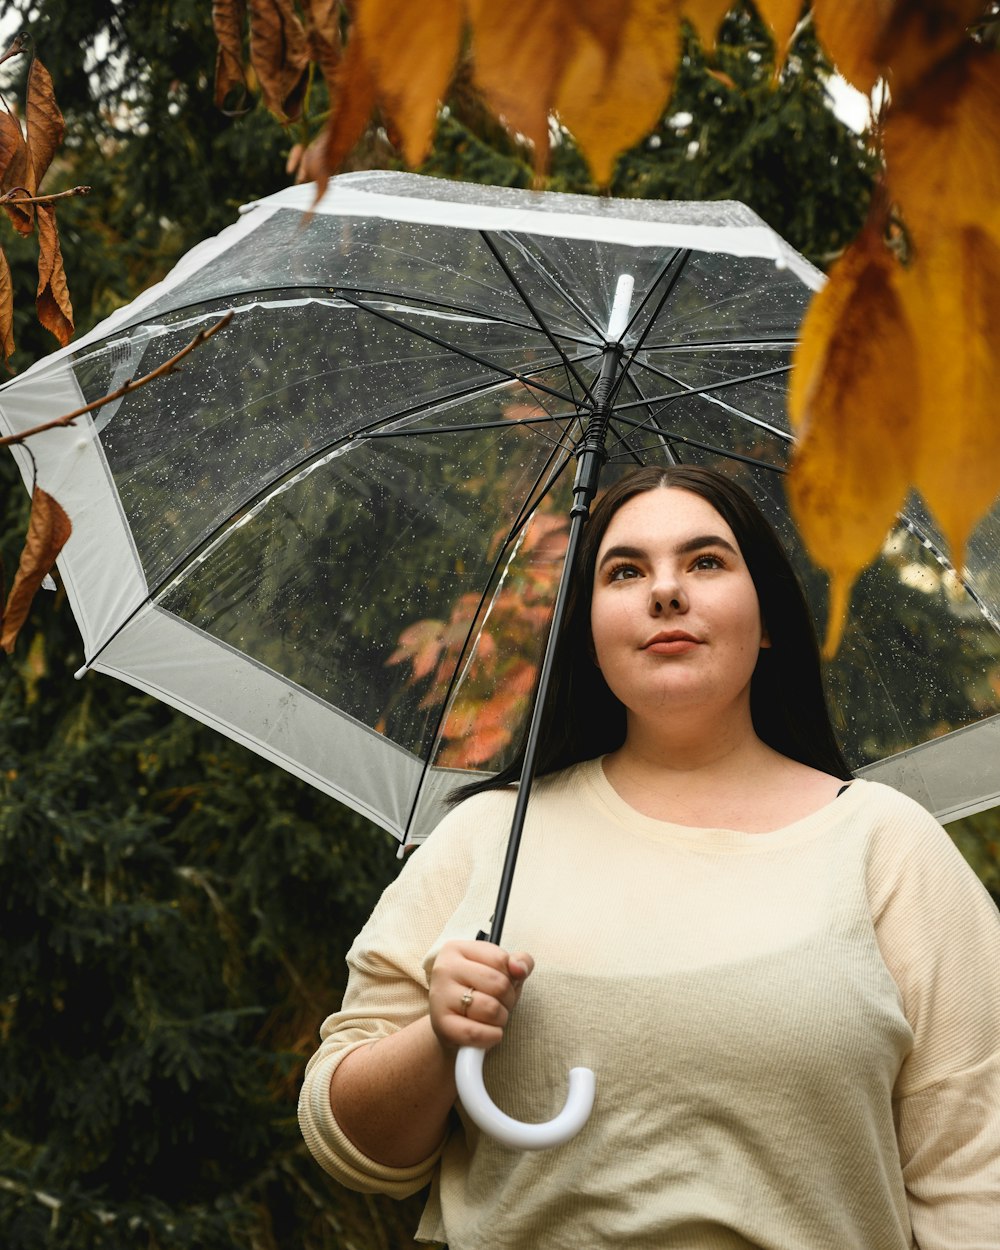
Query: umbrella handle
{"x":487,"y":1115}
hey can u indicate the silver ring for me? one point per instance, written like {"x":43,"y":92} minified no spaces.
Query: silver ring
{"x":467,"y":1001}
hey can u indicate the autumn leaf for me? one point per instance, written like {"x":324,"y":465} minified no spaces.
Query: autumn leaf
{"x":942,"y":148}
{"x":921,"y":34}
{"x":352,"y":101}
{"x":279,"y":55}
{"x":48,"y":530}
{"x":52,"y":301}
{"x":6,"y":309}
{"x":14,"y":159}
{"x":44,"y":123}
{"x":610,"y":106}
{"x":782,"y":16}
{"x":851,"y":32}
{"x":228,"y":20}
{"x":520,"y":50}
{"x":705,"y":16}
{"x":411,"y":51}
{"x":856,"y":418}
{"x":323,"y":35}
{"x":953,"y":294}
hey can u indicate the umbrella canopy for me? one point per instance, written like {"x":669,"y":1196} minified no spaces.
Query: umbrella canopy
{"x":336,"y":534}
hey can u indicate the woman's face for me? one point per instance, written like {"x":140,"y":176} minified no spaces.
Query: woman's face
{"x":675,"y":618}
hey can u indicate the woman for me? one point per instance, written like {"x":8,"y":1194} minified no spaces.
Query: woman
{"x":788,"y":986}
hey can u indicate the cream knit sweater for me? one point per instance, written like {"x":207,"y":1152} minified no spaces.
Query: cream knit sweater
{"x":796,"y":1035}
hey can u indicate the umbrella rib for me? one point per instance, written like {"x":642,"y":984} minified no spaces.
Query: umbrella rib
{"x":526,"y":300}
{"x":673,"y":437}
{"x":715,"y":345}
{"x":547,"y":277}
{"x":460,"y":351}
{"x":418,"y":302}
{"x":707,"y":390}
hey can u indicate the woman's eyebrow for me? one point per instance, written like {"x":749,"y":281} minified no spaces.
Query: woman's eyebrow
{"x":621,"y":553}
{"x":705,"y":540}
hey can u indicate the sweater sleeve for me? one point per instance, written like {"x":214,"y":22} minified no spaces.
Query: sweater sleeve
{"x":389,"y":964}
{"x":939,"y":933}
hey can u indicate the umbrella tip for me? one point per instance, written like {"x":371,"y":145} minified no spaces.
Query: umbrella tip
{"x":620,"y":308}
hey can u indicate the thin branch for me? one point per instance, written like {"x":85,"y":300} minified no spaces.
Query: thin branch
{"x":14,"y":196}
{"x":168,"y":366}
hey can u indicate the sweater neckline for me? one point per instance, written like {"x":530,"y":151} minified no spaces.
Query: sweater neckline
{"x":803,"y":829}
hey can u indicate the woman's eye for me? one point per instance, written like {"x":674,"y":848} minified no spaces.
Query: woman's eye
{"x":623,"y":572}
{"x":708,"y":562}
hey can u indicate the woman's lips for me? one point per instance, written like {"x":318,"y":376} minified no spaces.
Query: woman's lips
{"x":672,"y":643}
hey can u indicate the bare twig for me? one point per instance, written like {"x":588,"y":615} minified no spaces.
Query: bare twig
{"x":168,"y":366}
{"x":19,"y":195}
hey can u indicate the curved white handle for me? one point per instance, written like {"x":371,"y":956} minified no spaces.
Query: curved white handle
{"x":484,"y":1111}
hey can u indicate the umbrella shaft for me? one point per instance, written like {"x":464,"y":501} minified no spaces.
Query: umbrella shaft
{"x":590,"y":460}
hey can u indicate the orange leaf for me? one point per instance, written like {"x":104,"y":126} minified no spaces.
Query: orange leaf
{"x":856,"y":416}
{"x":609,"y":106}
{"x":279,"y":55}
{"x":782,"y":16}
{"x":412,"y":50}
{"x":705,"y":16}
{"x":942,"y":147}
{"x":48,"y":530}
{"x":953,"y":298}
{"x":520,"y":50}
{"x":6,"y":308}
{"x":55,"y":311}
{"x":44,"y":122}
{"x":921,"y":34}
{"x":353,"y":100}
{"x":851,"y":32}
{"x":228,"y":20}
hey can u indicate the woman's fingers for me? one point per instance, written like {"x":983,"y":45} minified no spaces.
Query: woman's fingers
{"x":473,"y":988}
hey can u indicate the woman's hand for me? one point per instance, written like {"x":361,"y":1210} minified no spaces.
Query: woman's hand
{"x":474,"y":987}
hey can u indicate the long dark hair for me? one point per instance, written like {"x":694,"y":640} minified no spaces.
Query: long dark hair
{"x":583,"y":719}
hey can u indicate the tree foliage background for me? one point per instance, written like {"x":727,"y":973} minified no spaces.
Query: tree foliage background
{"x":174,"y":911}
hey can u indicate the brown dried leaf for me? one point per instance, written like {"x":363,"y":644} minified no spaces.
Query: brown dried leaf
{"x":6,"y":309}
{"x":52,"y":301}
{"x":13,"y":152}
{"x":610,"y":106}
{"x":921,"y":34}
{"x":279,"y":55}
{"x":942,"y":147}
{"x":323,"y":16}
{"x":412,"y":50}
{"x":520,"y":50}
{"x":856,"y":417}
{"x":705,"y":16}
{"x":953,"y":300}
{"x":228,"y":21}
{"x":323,"y":36}
{"x":352,"y":102}
{"x":851,"y":31}
{"x":45,"y":125}
{"x":48,"y":531}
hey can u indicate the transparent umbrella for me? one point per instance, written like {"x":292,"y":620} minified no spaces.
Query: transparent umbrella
{"x":336,"y":535}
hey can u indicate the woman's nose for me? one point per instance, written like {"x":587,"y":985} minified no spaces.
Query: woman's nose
{"x":666,"y":597}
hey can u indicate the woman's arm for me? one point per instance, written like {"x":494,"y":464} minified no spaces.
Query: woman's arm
{"x":392,"y":1099}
